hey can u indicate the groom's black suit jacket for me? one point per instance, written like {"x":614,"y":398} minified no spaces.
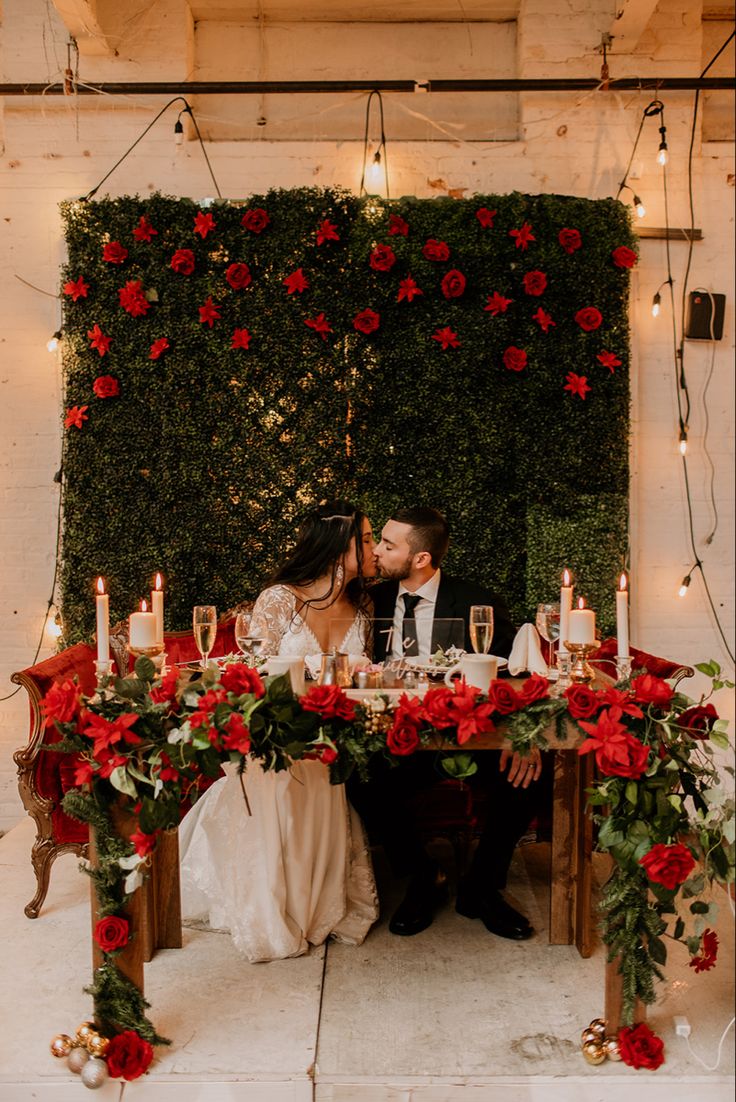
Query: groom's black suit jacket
{"x":454,"y":598}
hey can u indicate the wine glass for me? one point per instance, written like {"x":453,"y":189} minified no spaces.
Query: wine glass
{"x":204,"y":620}
{"x":548,"y":626}
{"x":248,"y":644}
{"x":481,"y":628}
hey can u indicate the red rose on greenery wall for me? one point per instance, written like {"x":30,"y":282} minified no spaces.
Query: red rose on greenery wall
{"x":453,"y":284}
{"x":132,"y":299}
{"x":183,"y":261}
{"x":106,"y":386}
{"x":397,"y":226}
{"x":623,"y":257}
{"x":255,"y":220}
{"x":114,"y":253}
{"x":367,"y":321}
{"x":514,"y":358}
{"x":570,"y":240}
{"x":589,"y":318}
{"x":436,"y":250}
{"x":238,"y":276}
{"x":383,"y":258}
{"x":535,"y":283}
{"x":128,"y":1056}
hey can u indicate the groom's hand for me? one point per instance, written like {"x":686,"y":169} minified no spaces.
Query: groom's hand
{"x":523,"y":770}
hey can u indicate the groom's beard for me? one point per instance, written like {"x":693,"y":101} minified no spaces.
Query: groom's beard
{"x":397,"y":573}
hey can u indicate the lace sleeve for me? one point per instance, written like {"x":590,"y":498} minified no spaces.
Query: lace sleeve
{"x":272,"y":614}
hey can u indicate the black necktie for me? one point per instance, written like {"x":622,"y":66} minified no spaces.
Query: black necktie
{"x":409,"y":624}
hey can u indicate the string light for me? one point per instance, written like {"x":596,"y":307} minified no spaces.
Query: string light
{"x":178,"y":133}
{"x":641,"y":210}
{"x":682,"y":591}
{"x":662,"y":154}
{"x":53,"y":342}
{"x":683,"y":440}
{"x":375,"y":173}
{"x":656,"y":303}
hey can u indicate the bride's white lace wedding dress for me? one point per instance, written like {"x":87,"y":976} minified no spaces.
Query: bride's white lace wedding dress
{"x":298,"y":869}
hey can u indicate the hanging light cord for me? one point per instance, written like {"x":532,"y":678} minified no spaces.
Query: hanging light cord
{"x":186,"y":110}
{"x":381,"y":144}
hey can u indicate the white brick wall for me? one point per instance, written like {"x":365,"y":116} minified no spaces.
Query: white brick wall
{"x":53,"y":151}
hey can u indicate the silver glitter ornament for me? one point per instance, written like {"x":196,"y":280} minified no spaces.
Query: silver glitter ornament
{"x":76,"y":1059}
{"x":94,"y":1073}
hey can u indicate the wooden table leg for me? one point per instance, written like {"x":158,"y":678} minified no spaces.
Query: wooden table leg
{"x":166,"y":895}
{"x":562,"y":860}
{"x":130,"y":959}
{"x":583,"y":857}
{"x":614,"y":1000}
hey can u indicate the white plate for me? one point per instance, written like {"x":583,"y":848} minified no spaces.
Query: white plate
{"x":439,"y":671}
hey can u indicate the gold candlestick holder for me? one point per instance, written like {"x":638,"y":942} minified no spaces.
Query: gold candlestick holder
{"x":581,"y":672}
{"x":156,"y":653}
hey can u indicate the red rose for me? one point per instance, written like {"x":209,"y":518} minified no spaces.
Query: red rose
{"x":383,"y":258}
{"x":582,"y":702}
{"x":398,"y":226}
{"x":435,"y":709}
{"x":238,"y":276}
{"x":367,"y":321}
{"x":534,"y":688}
{"x":106,"y":386}
{"x":503,"y":697}
{"x":624,"y":257}
{"x":570,"y":240}
{"x":436,"y":250}
{"x":535,"y":283}
{"x":62,"y":703}
{"x":617,"y":752}
{"x":166,"y":691}
{"x":133,"y":300}
{"x":111,"y":933}
{"x":649,"y":689}
{"x":114,"y":253}
{"x":239,"y":678}
{"x":237,"y":736}
{"x":698,"y":721}
{"x":403,"y":737}
{"x":514,"y":358}
{"x":255,"y":220}
{"x":329,"y":701}
{"x":669,"y":866}
{"x":589,"y":318}
{"x":640,"y":1048}
{"x":183,"y":261}
{"x":128,"y":1056}
{"x":453,"y":284}
{"x":322,"y":752}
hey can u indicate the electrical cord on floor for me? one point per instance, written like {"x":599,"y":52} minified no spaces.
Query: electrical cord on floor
{"x":711,"y":1067}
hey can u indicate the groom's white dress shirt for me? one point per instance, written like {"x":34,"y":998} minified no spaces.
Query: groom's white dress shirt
{"x":423,"y":614}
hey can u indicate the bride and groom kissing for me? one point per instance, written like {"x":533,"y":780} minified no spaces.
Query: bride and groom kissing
{"x":298,"y":869}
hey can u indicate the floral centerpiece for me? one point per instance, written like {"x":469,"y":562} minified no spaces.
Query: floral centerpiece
{"x":150,"y":746}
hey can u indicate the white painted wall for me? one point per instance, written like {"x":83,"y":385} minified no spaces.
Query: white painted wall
{"x":573,"y":144}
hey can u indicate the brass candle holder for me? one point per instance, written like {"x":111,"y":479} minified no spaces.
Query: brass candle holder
{"x":156,"y":653}
{"x":581,"y":672}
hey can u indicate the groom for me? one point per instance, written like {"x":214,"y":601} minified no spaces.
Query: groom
{"x":414,"y":593}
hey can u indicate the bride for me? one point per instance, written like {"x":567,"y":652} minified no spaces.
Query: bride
{"x":296,"y":870}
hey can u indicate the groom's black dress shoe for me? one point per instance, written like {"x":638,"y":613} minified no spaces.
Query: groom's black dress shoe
{"x":498,"y":916}
{"x":423,"y":898}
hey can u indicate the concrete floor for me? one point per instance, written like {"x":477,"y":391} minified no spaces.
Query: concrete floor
{"x":453,"y":1015}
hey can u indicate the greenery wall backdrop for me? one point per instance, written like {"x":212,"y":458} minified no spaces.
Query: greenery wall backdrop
{"x":226,"y":365}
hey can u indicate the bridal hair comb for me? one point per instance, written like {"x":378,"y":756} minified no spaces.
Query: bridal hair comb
{"x":339,"y":516}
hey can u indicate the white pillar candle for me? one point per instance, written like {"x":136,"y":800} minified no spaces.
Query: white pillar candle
{"x":142,"y":628}
{"x":622,"y":619}
{"x":582,"y":624}
{"x":102,"y":605}
{"x":157,"y":607}
{"x":565,"y":607}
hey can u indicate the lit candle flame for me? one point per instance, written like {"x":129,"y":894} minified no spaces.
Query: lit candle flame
{"x":159,"y":582}
{"x":144,"y":606}
{"x":581,"y":602}
{"x":623,"y":583}
{"x":566,"y":577}
{"x":100,"y":585}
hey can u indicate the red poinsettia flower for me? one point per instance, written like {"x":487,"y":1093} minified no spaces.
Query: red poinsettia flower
{"x":589,"y":318}
{"x":497,"y":304}
{"x":203,"y":223}
{"x":453,"y":284}
{"x":523,"y":236}
{"x":515,"y":359}
{"x":98,"y":340}
{"x":617,"y":752}
{"x":320,"y":325}
{"x":609,"y":360}
{"x":77,"y":288}
{"x":470,"y":717}
{"x":241,"y":338}
{"x":535,"y":283}
{"x":132,"y":299}
{"x":208,"y":313}
{"x":382,"y":258}
{"x":144,"y":231}
{"x":255,"y":220}
{"x":577,"y":384}
{"x":106,"y":386}
{"x":446,"y":337}
{"x":570,"y":240}
{"x":669,"y":866}
{"x":75,"y":416}
{"x":183,"y":261}
{"x":327,"y":231}
{"x":620,"y":703}
{"x":436,"y":250}
{"x":706,"y":958}
{"x":367,"y":321}
{"x":114,"y":253}
{"x":84,"y":772}
{"x":485,"y":217}
{"x":159,"y":345}
{"x":623,"y":257}
{"x":296,"y":282}
{"x":239,"y":277}
{"x":408,"y":290}
{"x":397,"y":226}
{"x":543,"y":320}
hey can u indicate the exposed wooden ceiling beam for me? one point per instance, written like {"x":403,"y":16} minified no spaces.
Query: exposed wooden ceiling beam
{"x":629,"y":23}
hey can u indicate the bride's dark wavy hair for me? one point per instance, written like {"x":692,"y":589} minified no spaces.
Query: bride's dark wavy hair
{"x":323,"y":539}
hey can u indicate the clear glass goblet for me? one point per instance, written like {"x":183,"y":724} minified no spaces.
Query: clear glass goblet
{"x":480,"y":624}
{"x":548,"y":626}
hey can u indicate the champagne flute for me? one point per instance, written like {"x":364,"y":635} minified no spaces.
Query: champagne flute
{"x":481,"y":628}
{"x":548,"y":626}
{"x":248,"y":644}
{"x":204,"y":621}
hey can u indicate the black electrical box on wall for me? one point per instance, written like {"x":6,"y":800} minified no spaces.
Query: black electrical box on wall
{"x":704,"y":321}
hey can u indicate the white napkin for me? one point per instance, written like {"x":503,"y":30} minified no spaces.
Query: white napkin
{"x":526,"y":653}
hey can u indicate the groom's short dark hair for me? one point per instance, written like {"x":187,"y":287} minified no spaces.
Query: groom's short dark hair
{"x":429,"y":531}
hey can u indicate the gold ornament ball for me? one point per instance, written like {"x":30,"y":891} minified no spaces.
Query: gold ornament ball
{"x":61,"y":1045}
{"x":590,"y":1036}
{"x":594,"y":1054}
{"x":598,"y":1026}
{"x":84,"y":1030}
{"x":76,"y":1059}
{"x":611,"y":1049}
{"x":94,"y":1073}
{"x":97,"y":1045}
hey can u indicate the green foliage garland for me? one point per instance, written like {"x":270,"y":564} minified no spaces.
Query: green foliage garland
{"x":199,"y":466}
